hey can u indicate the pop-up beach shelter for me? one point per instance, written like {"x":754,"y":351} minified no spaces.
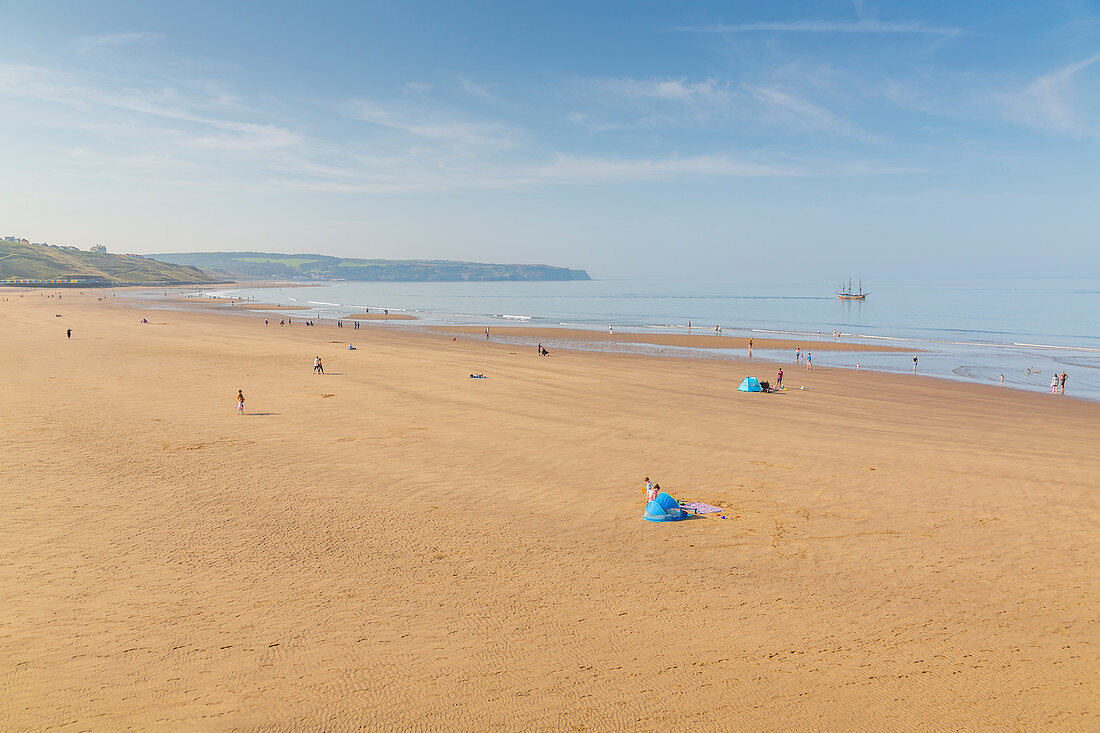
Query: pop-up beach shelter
{"x":663,"y":509}
{"x":749,"y":384}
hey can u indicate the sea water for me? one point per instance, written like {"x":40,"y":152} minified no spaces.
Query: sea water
{"x":971,"y":331}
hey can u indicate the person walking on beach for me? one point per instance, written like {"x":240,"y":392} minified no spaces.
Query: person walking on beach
{"x":809,"y":360}
{"x":1002,"y":380}
{"x":611,"y":330}
{"x":779,"y":379}
{"x":1062,"y":379}
{"x":318,"y":367}
{"x":265,"y":321}
{"x":68,"y":333}
{"x":914,"y":365}
{"x":240,"y":402}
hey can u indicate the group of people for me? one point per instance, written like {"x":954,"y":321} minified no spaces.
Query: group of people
{"x":808,"y":358}
{"x":1058,"y":383}
{"x":651,"y":490}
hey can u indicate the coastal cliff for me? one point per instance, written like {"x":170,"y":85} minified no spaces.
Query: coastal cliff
{"x":273,"y":266}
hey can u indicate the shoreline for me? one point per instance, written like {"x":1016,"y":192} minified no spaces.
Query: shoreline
{"x":580,"y":339}
{"x":701,"y":341}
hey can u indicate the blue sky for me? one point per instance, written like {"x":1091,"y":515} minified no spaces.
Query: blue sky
{"x":651,"y":139}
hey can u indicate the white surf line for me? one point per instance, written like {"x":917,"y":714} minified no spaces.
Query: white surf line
{"x":1049,"y":346}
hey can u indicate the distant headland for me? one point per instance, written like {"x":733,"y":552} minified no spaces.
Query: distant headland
{"x":36,"y":264}
{"x":274,"y":266}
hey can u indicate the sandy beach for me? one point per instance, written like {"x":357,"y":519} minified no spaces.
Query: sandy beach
{"x":392,"y":545}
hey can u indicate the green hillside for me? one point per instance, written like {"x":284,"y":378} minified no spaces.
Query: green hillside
{"x":44,"y":262}
{"x":271,"y":266}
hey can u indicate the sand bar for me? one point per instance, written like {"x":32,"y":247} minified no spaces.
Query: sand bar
{"x":395,"y":545}
{"x":702,"y":340}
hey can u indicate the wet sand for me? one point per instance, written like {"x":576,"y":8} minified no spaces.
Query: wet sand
{"x":700,"y":340}
{"x":380,"y":317}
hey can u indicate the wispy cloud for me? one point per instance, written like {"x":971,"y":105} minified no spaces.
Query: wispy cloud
{"x":396,"y":175}
{"x":824,"y":26}
{"x":618,"y":104}
{"x":478,"y":90}
{"x":1051,"y":102}
{"x":667,"y":89}
{"x":417,"y":175}
{"x":187,"y":134}
{"x":430,"y":123}
{"x":187,"y":119}
{"x":117,"y":40}
{"x":801,"y":112}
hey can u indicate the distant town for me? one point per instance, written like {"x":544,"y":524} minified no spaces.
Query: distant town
{"x":98,"y":248}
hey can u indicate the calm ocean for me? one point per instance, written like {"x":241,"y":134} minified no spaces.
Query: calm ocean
{"x":971,"y":331}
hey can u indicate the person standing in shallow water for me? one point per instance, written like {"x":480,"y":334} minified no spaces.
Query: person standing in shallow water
{"x":1062,"y":380}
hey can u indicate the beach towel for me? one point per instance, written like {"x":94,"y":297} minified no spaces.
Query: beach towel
{"x":700,"y":508}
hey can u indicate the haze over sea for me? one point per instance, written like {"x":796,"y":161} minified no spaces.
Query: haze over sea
{"x":968,"y":330}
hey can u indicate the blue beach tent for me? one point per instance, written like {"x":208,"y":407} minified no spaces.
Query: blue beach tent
{"x":663,"y":509}
{"x":749,"y":384}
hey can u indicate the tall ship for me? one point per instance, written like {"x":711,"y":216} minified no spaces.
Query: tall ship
{"x":847,"y":293}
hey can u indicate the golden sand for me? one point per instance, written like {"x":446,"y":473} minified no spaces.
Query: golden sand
{"x":395,"y":545}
